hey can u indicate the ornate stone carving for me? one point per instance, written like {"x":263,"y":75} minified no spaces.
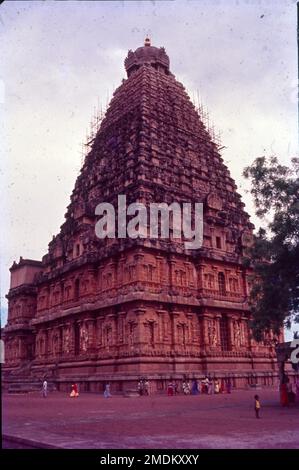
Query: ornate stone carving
{"x":83,"y":338}
{"x":214,"y":201}
{"x":67,"y":339}
{"x":212,"y":333}
{"x":238,"y":333}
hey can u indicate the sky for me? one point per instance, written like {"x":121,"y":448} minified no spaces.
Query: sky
{"x":61,"y":60}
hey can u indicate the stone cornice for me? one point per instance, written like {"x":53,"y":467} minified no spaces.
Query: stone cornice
{"x":134,"y":297}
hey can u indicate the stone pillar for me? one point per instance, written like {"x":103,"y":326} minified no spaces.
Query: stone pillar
{"x":113,"y":319}
{"x":90,"y":325}
{"x":244,"y":283}
{"x":49,"y":345}
{"x":159,"y":260}
{"x":190,"y":339}
{"x":81,"y":325}
{"x":120,"y":270}
{"x":100,"y":279}
{"x":163,"y":336}
{"x":72,"y":336}
{"x":99,"y":334}
{"x":226,"y":278}
{"x":66,"y":339}
{"x":218,"y":318}
{"x":205,"y":336}
{"x":231,"y":340}
{"x":244,"y":332}
{"x":139,"y":272}
{"x":60,"y":340}
{"x":140,"y":334}
{"x":112,"y":266}
{"x":174,"y":319}
{"x":42,"y":352}
{"x":121,"y":327}
{"x":171,"y":265}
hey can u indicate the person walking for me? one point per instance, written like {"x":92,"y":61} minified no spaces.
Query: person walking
{"x":210,"y":387}
{"x":45,"y":388}
{"x":170,"y":389}
{"x":284,"y":399}
{"x":291,"y":394}
{"x":228,"y":386}
{"x":194,"y":387}
{"x":186,"y":388}
{"x":257,"y":406}
{"x":107,"y":393}
{"x":146,"y":387}
{"x":74,"y":393}
{"x":140,"y":387}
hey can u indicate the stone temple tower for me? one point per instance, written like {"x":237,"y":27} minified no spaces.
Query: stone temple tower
{"x":119,"y":309}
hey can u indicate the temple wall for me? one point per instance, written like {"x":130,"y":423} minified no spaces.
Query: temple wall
{"x":145,"y":272}
{"x":140,"y":337}
{"x":125,"y":307}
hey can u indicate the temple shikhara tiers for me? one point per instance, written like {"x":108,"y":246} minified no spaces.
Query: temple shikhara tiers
{"x":121,"y":309}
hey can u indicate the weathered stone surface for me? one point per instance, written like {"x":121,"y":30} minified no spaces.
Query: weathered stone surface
{"x":144,"y":306}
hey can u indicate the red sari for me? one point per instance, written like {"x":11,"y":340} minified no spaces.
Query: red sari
{"x":74,"y":392}
{"x":170,"y":390}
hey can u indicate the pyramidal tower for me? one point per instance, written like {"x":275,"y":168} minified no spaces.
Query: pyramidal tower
{"x":118,"y":309}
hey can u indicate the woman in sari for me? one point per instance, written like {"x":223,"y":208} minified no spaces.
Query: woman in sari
{"x":170,"y":389}
{"x":194,"y":388}
{"x":74,"y":392}
{"x":222,"y":386}
{"x":284,"y":399}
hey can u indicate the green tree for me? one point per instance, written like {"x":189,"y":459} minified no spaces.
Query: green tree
{"x":274,"y":255}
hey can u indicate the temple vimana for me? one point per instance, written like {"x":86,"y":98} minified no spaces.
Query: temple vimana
{"x":120,"y":309}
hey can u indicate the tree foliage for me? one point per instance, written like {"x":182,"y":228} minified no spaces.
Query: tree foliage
{"x":274,"y":255}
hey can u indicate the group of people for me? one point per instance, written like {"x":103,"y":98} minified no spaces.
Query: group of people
{"x":74,"y":390}
{"x":207,"y":386}
{"x":143,"y":387}
{"x":289,"y":394}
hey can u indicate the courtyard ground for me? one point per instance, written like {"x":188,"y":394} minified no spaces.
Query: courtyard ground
{"x":191,"y":422}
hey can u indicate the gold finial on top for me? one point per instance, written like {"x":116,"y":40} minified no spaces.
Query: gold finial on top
{"x":147,"y":41}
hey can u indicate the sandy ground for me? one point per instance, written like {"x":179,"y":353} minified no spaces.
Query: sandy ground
{"x":161,"y":422}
